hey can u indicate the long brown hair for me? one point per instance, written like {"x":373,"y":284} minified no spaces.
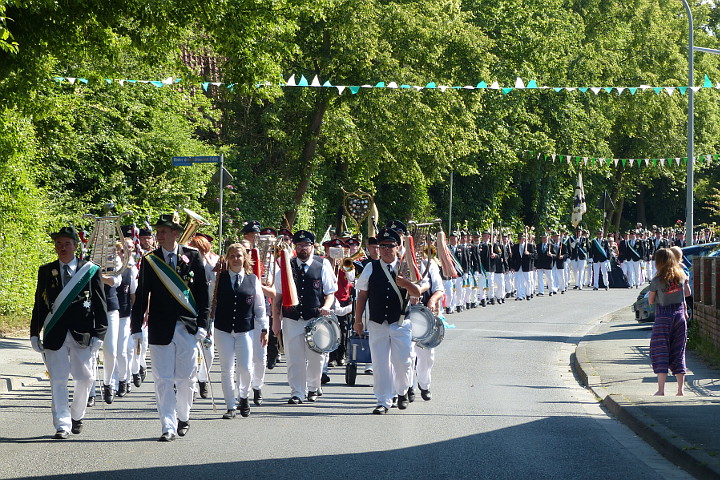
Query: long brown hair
{"x":247,"y":261}
{"x":668,"y":267}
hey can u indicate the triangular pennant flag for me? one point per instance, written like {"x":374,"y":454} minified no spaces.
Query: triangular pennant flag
{"x":647,"y":162}
{"x":519,"y":83}
{"x":695,"y":89}
{"x":217,"y":84}
{"x":205,"y":85}
{"x":468,"y":87}
{"x":327,"y":84}
{"x":71,"y":80}
{"x":392,"y":85}
{"x":583,"y":89}
{"x":654,"y":160}
{"x":354,"y":90}
{"x":623,"y":161}
{"x":570,"y":89}
{"x":608,"y":160}
{"x":595,"y":90}
{"x":121,"y":82}
{"x":615,"y":160}
{"x":657,"y":90}
{"x":157,"y":83}
{"x":577,"y":160}
{"x":315,"y":82}
{"x":367,"y":85}
{"x":708,"y":158}
{"x":481,"y":85}
{"x":708,"y":83}
{"x":430,"y":85}
{"x":83,"y":80}
{"x":682,"y":90}
{"x":670,"y":90}
{"x":557,"y":89}
{"x":631,"y":161}
{"x":568,"y":159}
{"x":404,"y":85}
{"x":303,"y":81}
{"x":677,"y":161}
{"x":291,"y":81}
{"x":553,"y":157}
{"x":380,"y":85}
{"x":608,"y":89}
{"x":108,"y":81}
{"x":632,"y":90}
{"x":592,"y":160}
{"x":495,"y":85}
{"x":340,"y":89}
{"x":507,"y":90}
{"x":620,"y":90}
{"x":585,"y":160}
{"x":443,"y":88}
{"x":644,"y":87}
{"x":532,"y":84}
{"x":545,"y":157}
{"x":417,"y":87}
{"x":662,"y":162}
{"x":168,"y":81}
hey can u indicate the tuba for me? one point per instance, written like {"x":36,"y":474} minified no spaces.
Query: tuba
{"x":101,"y":244}
{"x":194,"y":223}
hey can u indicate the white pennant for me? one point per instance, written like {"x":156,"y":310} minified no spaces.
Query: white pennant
{"x":443,"y":88}
{"x":620,"y":90}
{"x":495,"y":86}
{"x":585,"y":160}
{"x":695,"y":89}
{"x":570,"y":89}
{"x":677,"y":160}
{"x":469,"y":87}
{"x":670,"y":90}
{"x":616,"y":161}
{"x":568,"y":159}
{"x":647,"y":162}
{"x":392,"y":85}
{"x":519,"y":83}
{"x":340,"y":89}
{"x":71,"y":80}
{"x":662,"y":161}
{"x":631,"y":161}
{"x":644,"y":87}
{"x":291,"y":81}
{"x":553,"y":157}
{"x":315,"y":82}
{"x":595,"y":90}
{"x":708,"y":158}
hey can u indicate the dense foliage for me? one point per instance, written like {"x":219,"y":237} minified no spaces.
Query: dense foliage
{"x":66,"y":149}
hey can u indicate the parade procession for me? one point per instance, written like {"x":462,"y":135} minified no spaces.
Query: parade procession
{"x":166,"y":302}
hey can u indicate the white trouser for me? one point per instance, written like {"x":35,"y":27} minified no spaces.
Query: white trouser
{"x":206,"y":362}
{"x":390,"y":348}
{"x":70,"y":359}
{"x":521,"y":283}
{"x":598,"y":268}
{"x":500,"y":285}
{"x":467,"y":289}
{"x":304,"y":366}
{"x":548,"y":275}
{"x":559,"y":279}
{"x":425,"y":359}
{"x":634,"y":270}
{"x":531,"y":282}
{"x":509,"y":282}
{"x":234,"y":349}
{"x":650,"y":269}
{"x":449,"y":299}
{"x":259,"y":359}
{"x":579,"y":271}
{"x":174,"y":364}
{"x":110,"y":346}
{"x":122,"y":364}
{"x":459,"y":292}
{"x":138,"y":360}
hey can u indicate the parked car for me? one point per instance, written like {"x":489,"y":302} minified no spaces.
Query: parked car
{"x":644,"y":312}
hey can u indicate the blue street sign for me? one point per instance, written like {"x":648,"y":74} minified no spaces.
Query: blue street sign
{"x":187,"y":161}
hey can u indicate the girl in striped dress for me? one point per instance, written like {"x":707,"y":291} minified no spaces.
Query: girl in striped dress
{"x":668,"y":290}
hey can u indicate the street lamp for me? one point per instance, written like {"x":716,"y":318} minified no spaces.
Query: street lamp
{"x":691,"y":130}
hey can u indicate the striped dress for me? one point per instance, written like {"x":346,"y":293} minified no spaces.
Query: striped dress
{"x":668,"y":338}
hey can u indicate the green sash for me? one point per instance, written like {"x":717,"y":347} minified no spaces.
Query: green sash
{"x":71,"y":290}
{"x":172,"y":281}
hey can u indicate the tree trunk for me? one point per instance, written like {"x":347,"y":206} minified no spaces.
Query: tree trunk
{"x":641,"y":216}
{"x":306,"y":163}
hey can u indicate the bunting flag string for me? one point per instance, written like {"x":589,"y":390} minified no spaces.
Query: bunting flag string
{"x":709,"y":159}
{"x":354,"y":89}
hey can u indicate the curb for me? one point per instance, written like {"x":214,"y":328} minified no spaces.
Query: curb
{"x":9,"y":384}
{"x":661,"y":438}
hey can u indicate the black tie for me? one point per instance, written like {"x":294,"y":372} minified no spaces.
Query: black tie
{"x":171,"y":262}
{"x":237,"y":283}
{"x":304,"y":268}
{"x":66,"y":275}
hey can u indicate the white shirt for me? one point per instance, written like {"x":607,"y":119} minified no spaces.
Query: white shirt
{"x":329,"y":282}
{"x":364,"y":280}
{"x":258,"y":300}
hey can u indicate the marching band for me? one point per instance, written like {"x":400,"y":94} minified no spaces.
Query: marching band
{"x":282,"y":292}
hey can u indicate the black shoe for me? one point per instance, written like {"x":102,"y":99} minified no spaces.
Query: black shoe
{"x":575,"y":287}
{"x":270,"y":365}
{"x":380,"y":410}
{"x":244,"y":407}
{"x":143,"y":372}
{"x":528,"y":298}
{"x":137,"y":381}
{"x":402,"y":402}
{"x":532,"y":295}
{"x":229,"y":415}
{"x":76,"y":426}
{"x":517,"y":298}
{"x":122,"y":389}
{"x":167,"y":437}
{"x":483,"y":302}
{"x":61,"y":435}
{"x":257,"y":397}
{"x":91,"y":401}
{"x":203,"y":386}
{"x":411,"y":394}
{"x":394,"y":402}
{"x":319,"y":392}
{"x":108,"y":394}
{"x":458,"y":309}
{"x":492,"y":301}
{"x":594,"y":288}
{"x":606,"y":289}
{"x":312,"y":396}
{"x":467,"y":306}
{"x":324,"y":379}
{"x":426,"y":395}
{"x":447,"y":312}
{"x":542,"y":294}
{"x":562,"y":292}
{"x":183,"y":428}
{"x":294,"y":401}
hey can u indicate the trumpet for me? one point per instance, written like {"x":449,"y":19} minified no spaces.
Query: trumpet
{"x":347,"y":263}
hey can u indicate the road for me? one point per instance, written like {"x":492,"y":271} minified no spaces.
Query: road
{"x":505,"y":405}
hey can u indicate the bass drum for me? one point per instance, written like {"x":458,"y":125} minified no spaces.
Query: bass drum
{"x":436,"y":336}
{"x":421,"y":321}
{"x":322,"y":334}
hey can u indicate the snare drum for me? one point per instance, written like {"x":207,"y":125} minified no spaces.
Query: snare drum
{"x":421,"y":320}
{"x":436,"y":336}
{"x":322,"y":334}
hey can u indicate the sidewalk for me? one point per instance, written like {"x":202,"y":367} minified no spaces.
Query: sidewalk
{"x":614,"y":362}
{"x":20,"y":365}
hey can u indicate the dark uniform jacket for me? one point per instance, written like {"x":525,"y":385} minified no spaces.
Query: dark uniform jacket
{"x":165,"y":311}
{"x":598,"y":255}
{"x":545,"y":256}
{"x":235,"y":310}
{"x":86,"y":316}
{"x":522,"y":262}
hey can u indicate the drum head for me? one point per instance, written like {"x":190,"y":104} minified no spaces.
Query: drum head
{"x":421,"y":322}
{"x":323,"y":335}
{"x":436,"y":337}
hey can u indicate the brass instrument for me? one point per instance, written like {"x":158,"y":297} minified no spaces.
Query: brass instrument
{"x":194,"y":223}
{"x":101,"y":245}
{"x":420,"y":239}
{"x":267,"y":249}
{"x":348,"y":263}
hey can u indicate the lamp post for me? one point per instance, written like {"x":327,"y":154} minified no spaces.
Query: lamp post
{"x":691,"y":129}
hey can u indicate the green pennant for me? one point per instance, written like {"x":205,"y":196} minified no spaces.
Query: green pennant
{"x":632,"y":90}
{"x":654,"y":161}
{"x":577,"y":160}
{"x":532,"y":84}
{"x":583,"y":89}
{"x":592,"y":161}
{"x":682,"y":90}
{"x":685,"y":159}
{"x":507,"y":90}
{"x":481,"y":85}
{"x":608,"y":161}
{"x":354,"y":90}
{"x":708,"y":83}
{"x":608,"y":89}
{"x":716,"y":157}
{"x":623,"y":162}
{"x":545,"y":157}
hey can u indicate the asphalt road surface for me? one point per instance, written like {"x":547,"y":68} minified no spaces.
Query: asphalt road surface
{"x":505,"y":405}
